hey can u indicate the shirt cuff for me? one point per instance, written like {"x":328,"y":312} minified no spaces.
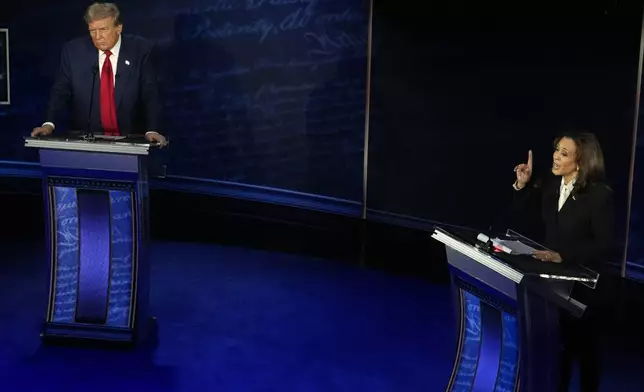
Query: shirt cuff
{"x":150,"y":132}
{"x":51,"y":124}
{"x":516,"y":188}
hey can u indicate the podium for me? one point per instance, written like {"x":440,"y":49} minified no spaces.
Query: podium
{"x":96,"y":208}
{"x":508,"y":309}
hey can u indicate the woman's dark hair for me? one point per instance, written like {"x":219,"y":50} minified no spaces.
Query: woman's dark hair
{"x":589,"y":157}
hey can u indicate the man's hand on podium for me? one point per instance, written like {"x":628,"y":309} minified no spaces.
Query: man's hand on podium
{"x":45,"y":130}
{"x":155,"y":137}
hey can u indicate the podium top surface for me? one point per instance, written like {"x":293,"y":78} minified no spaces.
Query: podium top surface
{"x":513,"y":266}
{"x":122,"y":145}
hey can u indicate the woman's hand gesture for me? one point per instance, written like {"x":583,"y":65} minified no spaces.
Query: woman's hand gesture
{"x":524,"y":172}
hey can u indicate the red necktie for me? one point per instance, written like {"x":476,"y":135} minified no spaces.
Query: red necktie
{"x":108,"y":107}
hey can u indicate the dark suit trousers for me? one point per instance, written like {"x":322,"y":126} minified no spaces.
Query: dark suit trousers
{"x":580,"y":340}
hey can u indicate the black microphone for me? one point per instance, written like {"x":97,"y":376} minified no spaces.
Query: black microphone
{"x":90,"y":135}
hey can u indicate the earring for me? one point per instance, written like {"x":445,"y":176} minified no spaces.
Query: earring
{"x":577,"y":167}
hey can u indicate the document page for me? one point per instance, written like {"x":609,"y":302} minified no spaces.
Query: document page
{"x":516,"y":247}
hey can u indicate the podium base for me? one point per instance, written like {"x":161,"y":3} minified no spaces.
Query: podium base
{"x":95,"y":335}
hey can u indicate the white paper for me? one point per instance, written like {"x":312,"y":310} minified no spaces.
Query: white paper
{"x":106,"y":137}
{"x":516,"y":247}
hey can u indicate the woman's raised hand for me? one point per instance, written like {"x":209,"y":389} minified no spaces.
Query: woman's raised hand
{"x":524,"y":172}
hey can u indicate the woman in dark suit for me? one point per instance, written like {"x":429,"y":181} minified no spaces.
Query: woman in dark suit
{"x":576,"y":211}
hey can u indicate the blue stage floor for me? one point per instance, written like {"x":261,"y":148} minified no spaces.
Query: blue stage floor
{"x":233,"y":319}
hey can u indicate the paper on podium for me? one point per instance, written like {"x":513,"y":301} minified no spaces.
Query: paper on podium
{"x":109,"y":137}
{"x":516,"y":247}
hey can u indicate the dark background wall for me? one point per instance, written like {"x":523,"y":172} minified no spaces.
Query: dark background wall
{"x":635,"y":255}
{"x":5,"y":92}
{"x":462,"y":90}
{"x":273,"y":93}
{"x":262,"y":92}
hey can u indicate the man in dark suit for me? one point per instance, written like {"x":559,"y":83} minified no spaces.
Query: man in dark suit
{"x":125,"y":98}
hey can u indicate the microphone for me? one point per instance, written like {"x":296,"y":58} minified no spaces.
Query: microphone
{"x":487,"y":244}
{"x":90,"y":135}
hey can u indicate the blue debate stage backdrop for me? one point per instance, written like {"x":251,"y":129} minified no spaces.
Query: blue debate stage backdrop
{"x":5,"y":96}
{"x":261,"y":92}
{"x":272,"y":93}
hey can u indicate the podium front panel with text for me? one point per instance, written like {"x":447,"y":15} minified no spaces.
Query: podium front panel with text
{"x":91,"y":279}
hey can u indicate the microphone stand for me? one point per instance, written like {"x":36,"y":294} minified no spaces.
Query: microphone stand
{"x":89,"y":136}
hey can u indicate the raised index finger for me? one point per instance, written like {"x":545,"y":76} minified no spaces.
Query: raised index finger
{"x":530,"y":159}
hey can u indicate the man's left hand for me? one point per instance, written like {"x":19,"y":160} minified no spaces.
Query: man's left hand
{"x":155,"y":137}
{"x":547,"y":255}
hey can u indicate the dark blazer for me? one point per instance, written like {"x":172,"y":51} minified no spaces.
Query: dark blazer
{"x":135,"y":91}
{"x":582,"y":231}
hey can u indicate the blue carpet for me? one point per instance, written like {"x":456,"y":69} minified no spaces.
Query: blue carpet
{"x":233,"y":319}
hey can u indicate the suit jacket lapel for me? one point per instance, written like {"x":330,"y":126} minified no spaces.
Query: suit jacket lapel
{"x":122,"y":71}
{"x":89,"y":63}
{"x":572,"y":198}
{"x":566,"y":205}
{"x":552,"y":202}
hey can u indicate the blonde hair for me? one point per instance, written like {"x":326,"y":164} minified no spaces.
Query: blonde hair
{"x":98,"y":11}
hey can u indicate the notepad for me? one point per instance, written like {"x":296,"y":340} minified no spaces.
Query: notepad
{"x":516,"y":247}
